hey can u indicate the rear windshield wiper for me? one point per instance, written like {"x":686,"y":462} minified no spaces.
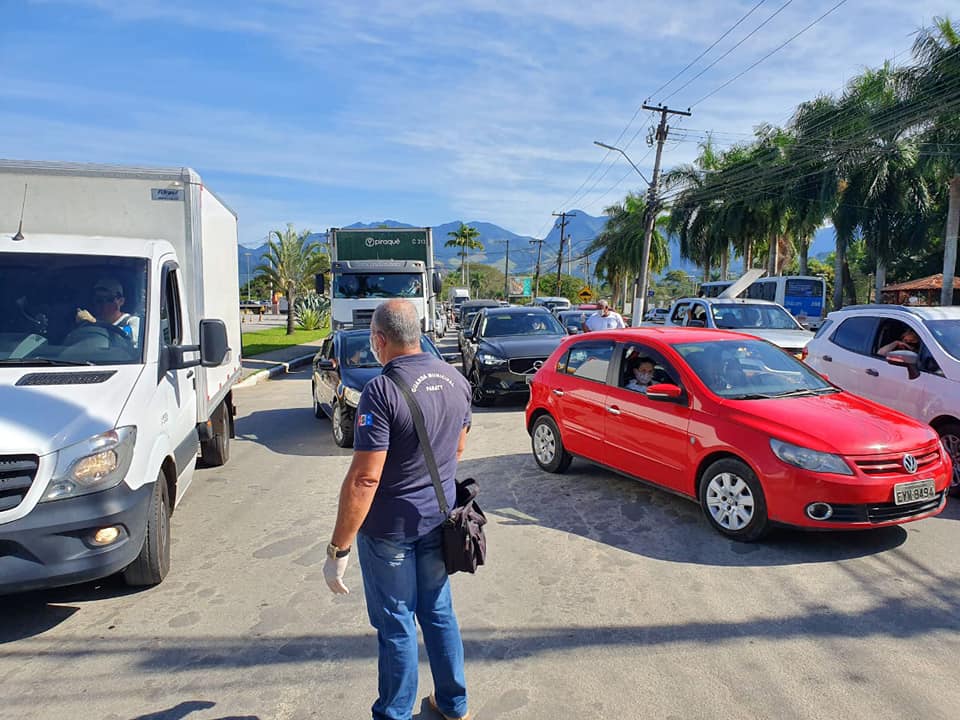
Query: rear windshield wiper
{"x":44,"y":362}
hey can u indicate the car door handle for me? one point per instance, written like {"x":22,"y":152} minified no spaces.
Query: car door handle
{"x":827,"y":358}
{"x":873,"y":372}
{"x":558,"y":393}
{"x":613,"y":410}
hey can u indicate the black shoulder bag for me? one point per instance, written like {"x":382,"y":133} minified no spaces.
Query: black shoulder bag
{"x":464,"y":544}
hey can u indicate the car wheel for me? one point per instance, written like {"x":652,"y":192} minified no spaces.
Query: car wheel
{"x":950,"y":436}
{"x":732,"y":500}
{"x":548,"y":449}
{"x":153,"y":562}
{"x":317,"y":409}
{"x":342,"y":427}
{"x":476,"y":388}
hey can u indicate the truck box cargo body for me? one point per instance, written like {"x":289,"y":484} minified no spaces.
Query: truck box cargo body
{"x":119,"y":348}
{"x":372,"y":265}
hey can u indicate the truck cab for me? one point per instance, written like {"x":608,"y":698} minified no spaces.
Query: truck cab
{"x":359,"y":286}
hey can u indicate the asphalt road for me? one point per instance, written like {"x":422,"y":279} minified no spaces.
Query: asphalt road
{"x":603,"y":599}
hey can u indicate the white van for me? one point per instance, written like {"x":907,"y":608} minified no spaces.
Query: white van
{"x":119,"y":347}
{"x":553,"y":304}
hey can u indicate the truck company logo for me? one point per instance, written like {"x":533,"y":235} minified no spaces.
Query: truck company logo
{"x":166,"y":194}
{"x":373,"y":242}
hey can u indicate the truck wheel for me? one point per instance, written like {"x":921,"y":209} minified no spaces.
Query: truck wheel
{"x":216,"y":451}
{"x":342,"y":427}
{"x":153,"y":562}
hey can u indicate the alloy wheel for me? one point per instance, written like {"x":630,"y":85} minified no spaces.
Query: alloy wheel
{"x":730,"y":501}
{"x":952,"y":445}
{"x":337,"y":423}
{"x":544,"y":444}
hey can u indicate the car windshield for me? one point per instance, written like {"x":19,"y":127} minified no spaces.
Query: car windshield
{"x":528,"y":323}
{"x":751,"y":370}
{"x":947,"y":333}
{"x":355,"y":350}
{"x":378,"y":285}
{"x":732,"y":316}
{"x":71,"y":309}
{"x":574,"y":319}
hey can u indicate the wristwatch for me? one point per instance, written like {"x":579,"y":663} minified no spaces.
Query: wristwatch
{"x":335,"y":553}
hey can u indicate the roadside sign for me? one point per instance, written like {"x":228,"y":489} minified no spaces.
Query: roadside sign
{"x":649,"y":293}
{"x":585,"y":294}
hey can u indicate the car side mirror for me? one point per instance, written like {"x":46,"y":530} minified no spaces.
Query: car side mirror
{"x":664,"y":391}
{"x":907,"y":359}
{"x":319,"y":283}
{"x":214,"y":346}
{"x":451,"y":357}
{"x":326,"y":364}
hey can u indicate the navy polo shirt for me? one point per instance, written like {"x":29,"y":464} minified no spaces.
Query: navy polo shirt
{"x":405,"y":505}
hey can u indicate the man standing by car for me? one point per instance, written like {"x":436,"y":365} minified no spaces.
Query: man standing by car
{"x":389,"y":505}
{"x":603,"y":319}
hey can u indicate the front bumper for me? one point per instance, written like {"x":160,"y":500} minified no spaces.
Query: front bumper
{"x":51,"y":547}
{"x":499,"y":381}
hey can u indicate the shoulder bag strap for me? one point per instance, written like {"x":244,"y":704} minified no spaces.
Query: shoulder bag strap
{"x":417,"y":414}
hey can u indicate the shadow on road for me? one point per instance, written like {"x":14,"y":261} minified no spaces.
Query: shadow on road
{"x":608,"y":508}
{"x":290,"y":431}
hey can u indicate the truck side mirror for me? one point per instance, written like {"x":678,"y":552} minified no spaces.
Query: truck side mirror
{"x":437,"y":283}
{"x":319,"y":284}
{"x":214,"y":347}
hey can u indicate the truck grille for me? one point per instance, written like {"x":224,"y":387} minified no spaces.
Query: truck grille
{"x":525,"y":366}
{"x":893,"y":464}
{"x":16,"y":476}
{"x":362,"y":318}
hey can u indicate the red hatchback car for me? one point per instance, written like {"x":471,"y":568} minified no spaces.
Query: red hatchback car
{"x":737,"y":424}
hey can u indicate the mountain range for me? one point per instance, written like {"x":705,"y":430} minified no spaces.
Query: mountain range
{"x":581,"y":228}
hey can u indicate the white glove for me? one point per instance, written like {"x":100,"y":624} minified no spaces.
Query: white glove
{"x":333,"y":570}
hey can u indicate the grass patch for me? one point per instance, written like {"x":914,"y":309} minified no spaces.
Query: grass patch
{"x":263,"y":341}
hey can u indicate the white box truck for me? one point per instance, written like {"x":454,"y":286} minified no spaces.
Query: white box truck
{"x":119,"y":346}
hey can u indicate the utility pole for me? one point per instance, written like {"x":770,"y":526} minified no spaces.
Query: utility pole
{"x":536,"y":277}
{"x":652,"y":209}
{"x":506,"y":271}
{"x":586,"y":270}
{"x":563,"y":226}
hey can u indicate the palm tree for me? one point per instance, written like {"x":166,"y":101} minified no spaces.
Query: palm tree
{"x":933,"y":94}
{"x":291,"y":261}
{"x":620,"y":244}
{"x":465,"y":238}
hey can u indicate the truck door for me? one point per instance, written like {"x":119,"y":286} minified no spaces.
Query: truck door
{"x":177,"y":390}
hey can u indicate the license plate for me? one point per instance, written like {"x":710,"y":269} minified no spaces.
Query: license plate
{"x":911,"y":492}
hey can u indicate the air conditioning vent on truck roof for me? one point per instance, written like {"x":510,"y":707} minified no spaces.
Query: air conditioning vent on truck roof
{"x":68,"y":378}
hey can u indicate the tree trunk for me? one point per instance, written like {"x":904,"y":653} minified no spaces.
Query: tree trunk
{"x":881,"y":280}
{"x":706,"y":272}
{"x":950,"y":242}
{"x":724,"y":262}
{"x":804,"y":252}
{"x":773,"y":255}
{"x":747,"y":255}
{"x":291,"y":298}
{"x":848,"y":283}
{"x":463,"y":264}
{"x":839,"y":265}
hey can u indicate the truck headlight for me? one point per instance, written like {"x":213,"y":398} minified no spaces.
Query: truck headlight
{"x":807,"y":459}
{"x":486,"y":358}
{"x":351,"y":396}
{"x":95,"y":464}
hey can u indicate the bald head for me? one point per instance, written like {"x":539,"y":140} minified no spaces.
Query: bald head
{"x":399,"y":324}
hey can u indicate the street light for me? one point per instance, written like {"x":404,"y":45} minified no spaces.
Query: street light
{"x":248,"y":276}
{"x":640,"y":296}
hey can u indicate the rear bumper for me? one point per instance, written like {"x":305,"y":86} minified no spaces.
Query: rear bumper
{"x":51,"y":546}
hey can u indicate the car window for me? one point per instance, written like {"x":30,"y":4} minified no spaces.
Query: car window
{"x":822,"y":330}
{"x":698,"y":315}
{"x":588,"y":360}
{"x":326,"y":352}
{"x":528,"y":323}
{"x":856,"y":334}
{"x":752,"y":315}
{"x":679,"y":313}
{"x":640,"y":356}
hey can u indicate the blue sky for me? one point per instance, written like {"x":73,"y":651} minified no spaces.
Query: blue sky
{"x":325,"y":113}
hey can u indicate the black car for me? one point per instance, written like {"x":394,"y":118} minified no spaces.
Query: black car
{"x":573,"y":320}
{"x":468,"y":314}
{"x":344,"y":365}
{"x":504,"y":347}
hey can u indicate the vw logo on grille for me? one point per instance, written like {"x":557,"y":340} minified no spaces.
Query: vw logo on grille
{"x":910,"y":463}
{"x":538,"y":364}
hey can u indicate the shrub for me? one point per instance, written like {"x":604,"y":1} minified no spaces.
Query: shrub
{"x":312,"y":312}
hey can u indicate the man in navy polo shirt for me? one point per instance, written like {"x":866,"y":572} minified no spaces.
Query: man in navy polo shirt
{"x":389,"y":505}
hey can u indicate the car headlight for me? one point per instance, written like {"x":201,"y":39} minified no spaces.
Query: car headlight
{"x":808,"y":459}
{"x":489,"y":358}
{"x":351,"y":396}
{"x":95,"y":464}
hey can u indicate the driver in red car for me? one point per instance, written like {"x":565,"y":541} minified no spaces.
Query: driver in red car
{"x":107,"y":302}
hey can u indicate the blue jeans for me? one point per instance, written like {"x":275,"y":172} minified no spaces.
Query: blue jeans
{"x":403,"y":579}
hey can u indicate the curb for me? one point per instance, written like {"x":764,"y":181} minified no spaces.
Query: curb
{"x":285,"y":367}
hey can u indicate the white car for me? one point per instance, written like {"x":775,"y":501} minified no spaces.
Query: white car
{"x":765,"y":320}
{"x":924,"y":384}
{"x":440,"y":323}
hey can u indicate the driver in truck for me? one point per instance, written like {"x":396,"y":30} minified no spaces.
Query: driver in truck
{"x":107,"y":304}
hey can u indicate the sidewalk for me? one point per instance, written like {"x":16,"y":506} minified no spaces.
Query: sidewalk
{"x":266,"y":365}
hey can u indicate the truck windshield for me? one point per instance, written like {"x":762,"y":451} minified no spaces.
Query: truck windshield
{"x":71,"y":309}
{"x":379,"y":285}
